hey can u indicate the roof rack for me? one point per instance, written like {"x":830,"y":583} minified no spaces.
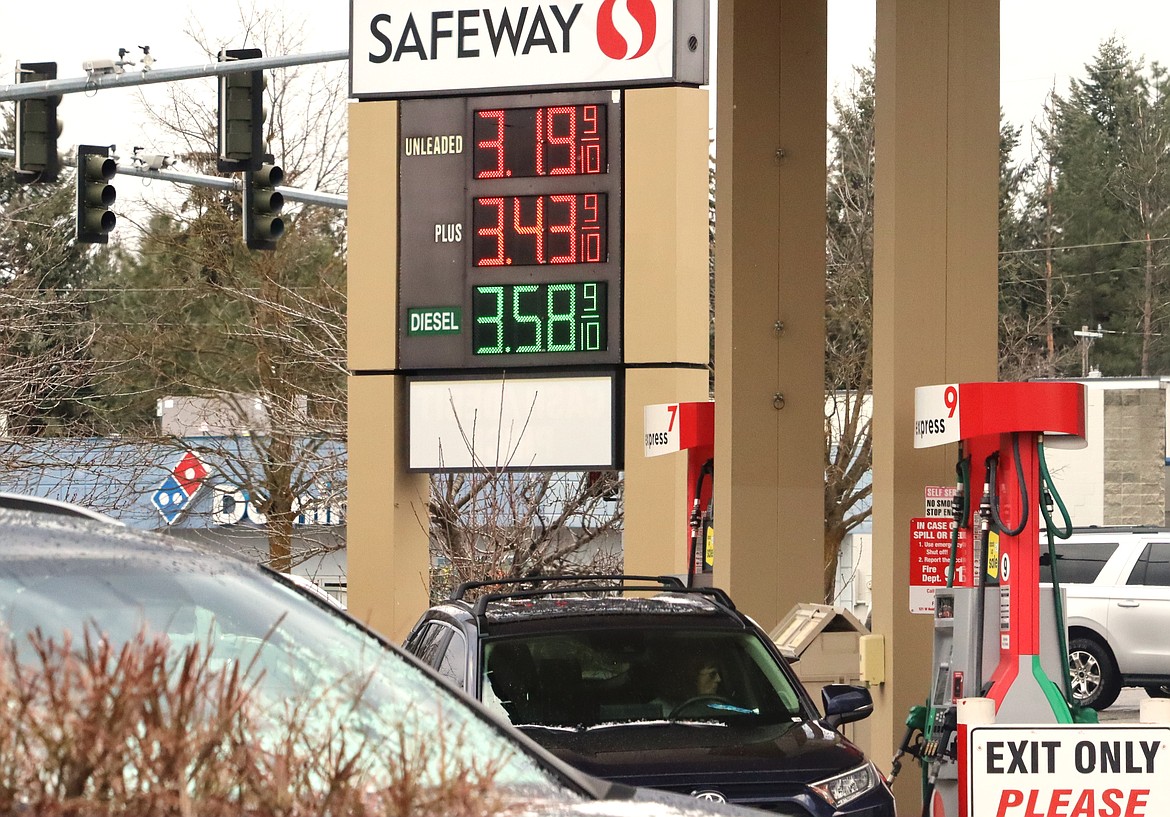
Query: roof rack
{"x":565,"y":584}
{"x":666,"y":581}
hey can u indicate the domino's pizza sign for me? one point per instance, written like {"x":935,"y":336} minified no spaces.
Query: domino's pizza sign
{"x":180,"y":487}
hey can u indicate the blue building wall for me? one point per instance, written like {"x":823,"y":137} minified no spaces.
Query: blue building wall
{"x":125,"y":480}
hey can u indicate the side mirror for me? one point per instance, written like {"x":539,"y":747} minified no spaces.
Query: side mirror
{"x":845,"y":703}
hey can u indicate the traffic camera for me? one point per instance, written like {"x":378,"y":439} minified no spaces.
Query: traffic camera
{"x":37,"y":127}
{"x":263,"y":225}
{"x":241,"y":115}
{"x":95,"y":194}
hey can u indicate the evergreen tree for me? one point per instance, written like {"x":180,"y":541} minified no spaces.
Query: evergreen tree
{"x":1110,"y":145}
{"x":1032,"y":299}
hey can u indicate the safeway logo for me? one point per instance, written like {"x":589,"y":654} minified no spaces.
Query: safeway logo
{"x":629,"y":16}
{"x":407,"y":48}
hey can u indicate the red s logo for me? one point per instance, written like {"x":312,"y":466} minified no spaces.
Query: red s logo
{"x":611,"y":41}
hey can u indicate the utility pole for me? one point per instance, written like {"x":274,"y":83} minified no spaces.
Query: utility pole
{"x":1087,"y":337}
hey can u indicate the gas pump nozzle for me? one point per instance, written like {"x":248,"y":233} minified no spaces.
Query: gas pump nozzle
{"x":915,"y":724}
{"x":696,"y":524}
{"x":958,"y":505}
{"x":959,"y":514}
{"x":696,"y":517}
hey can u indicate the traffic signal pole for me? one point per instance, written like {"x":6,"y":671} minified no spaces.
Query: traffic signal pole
{"x":99,"y":81}
{"x":334,"y":200}
{"x":96,"y":81}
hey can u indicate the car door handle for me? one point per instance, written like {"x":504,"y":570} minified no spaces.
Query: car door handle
{"x":1129,"y":603}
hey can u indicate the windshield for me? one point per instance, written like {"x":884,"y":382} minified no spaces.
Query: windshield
{"x":600,"y":677}
{"x":311,"y":669}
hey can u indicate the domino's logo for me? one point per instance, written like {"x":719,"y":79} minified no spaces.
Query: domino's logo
{"x":179,"y":488}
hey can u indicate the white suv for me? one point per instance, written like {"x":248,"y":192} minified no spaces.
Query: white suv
{"x":1117,"y":606}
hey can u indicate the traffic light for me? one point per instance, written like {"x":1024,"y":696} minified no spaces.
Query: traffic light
{"x":263,"y":225}
{"x":241,"y":115}
{"x":36,"y":127}
{"x":95,"y":194}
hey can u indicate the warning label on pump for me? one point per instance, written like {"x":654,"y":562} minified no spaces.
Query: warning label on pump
{"x":939,"y":500}
{"x":993,"y":555}
{"x":930,"y":561}
{"x":1055,"y":771}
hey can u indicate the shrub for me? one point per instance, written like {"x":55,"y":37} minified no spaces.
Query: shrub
{"x":94,"y":729}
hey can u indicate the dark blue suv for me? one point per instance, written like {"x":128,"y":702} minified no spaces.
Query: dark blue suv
{"x":644,"y":681}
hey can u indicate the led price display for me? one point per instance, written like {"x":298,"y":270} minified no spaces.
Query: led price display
{"x":564,"y":140}
{"x":512,"y":231}
{"x":521,"y":319}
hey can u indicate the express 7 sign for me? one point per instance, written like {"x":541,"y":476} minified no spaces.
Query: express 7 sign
{"x":670,"y":427}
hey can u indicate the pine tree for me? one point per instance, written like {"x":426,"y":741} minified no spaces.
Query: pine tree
{"x":1110,"y":145}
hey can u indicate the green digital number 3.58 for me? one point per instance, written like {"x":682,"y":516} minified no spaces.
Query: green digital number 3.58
{"x":532,"y":318}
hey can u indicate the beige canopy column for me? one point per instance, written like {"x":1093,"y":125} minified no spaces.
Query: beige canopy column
{"x":388,"y":559}
{"x":934,"y":295}
{"x":769,"y":304}
{"x":666,"y":309}
{"x":935,"y":301}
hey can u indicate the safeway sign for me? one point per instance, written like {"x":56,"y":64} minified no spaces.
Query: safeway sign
{"x":404,"y":48}
{"x":1098,"y":771}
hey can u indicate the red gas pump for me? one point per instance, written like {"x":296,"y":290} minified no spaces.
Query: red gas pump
{"x":997,"y":636}
{"x":999,"y":427}
{"x":690,"y":427}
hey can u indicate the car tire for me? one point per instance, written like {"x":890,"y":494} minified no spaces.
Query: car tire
{"x":1158,"y":690}
{"x":1095,"y":681}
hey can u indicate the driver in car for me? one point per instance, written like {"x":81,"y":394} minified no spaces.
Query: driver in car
{"x":699,"y":678}
{"x":708,"y":679}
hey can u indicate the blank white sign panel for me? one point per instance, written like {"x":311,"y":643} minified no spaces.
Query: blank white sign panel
{"x":517,"y":423}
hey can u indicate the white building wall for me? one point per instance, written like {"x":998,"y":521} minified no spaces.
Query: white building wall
{"x":1079,"y":473}
{"x":854,"y":574}
{"x":1083,"y":475}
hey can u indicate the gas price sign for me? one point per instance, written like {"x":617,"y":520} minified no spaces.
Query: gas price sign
{"x":510,"y":231}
